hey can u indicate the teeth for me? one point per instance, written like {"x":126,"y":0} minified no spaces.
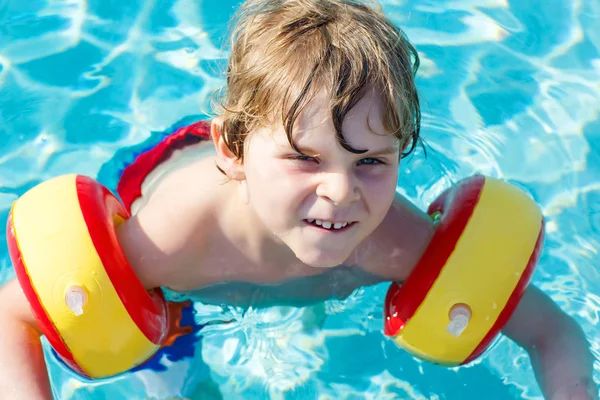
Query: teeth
{"x":327,"y":224}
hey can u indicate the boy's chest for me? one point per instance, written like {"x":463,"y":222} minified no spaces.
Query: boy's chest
{"x":335,"y":283}
{"x":218,"y":270}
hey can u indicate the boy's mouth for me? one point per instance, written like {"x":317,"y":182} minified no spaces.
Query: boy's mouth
{"x":330,"y":225}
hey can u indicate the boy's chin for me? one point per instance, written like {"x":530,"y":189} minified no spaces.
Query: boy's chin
{"x":321,"y":260}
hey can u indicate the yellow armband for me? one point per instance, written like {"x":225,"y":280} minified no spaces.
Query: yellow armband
{"x":472,"y":275}
{"x":88,"y":301}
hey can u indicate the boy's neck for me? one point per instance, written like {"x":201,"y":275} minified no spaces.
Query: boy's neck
{"x":243,"y":227}
{"x":395,"y":247}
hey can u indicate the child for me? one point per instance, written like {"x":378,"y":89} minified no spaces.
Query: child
{"x":298,"y":179}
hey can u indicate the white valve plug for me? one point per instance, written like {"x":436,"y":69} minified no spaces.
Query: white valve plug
{"x":460,"y":316}
{"x":76,"y":298}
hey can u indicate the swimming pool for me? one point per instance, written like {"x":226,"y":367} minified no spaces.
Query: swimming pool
{"x":509,"y":89}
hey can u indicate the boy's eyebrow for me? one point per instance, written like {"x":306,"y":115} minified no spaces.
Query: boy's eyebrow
{"x":385,"y":151}
{"x":380,"y":152}
{"x":308,"y":150}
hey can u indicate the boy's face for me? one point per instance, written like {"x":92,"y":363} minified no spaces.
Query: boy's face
{"x":347,"y":194}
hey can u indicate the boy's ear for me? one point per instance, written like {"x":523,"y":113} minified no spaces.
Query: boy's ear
{"x":226,"y":160}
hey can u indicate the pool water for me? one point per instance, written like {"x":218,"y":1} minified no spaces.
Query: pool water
{"x":509,"y":88}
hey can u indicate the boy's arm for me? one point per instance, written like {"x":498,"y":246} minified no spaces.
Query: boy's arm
{"x":23,"y":373}
{"x":557,"y":347}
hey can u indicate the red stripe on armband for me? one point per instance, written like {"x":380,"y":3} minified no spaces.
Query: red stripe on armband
{"x":401,"y":305}
{"x":147,"y":310}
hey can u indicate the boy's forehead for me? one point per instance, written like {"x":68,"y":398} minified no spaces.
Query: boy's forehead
{"x":362,"y":128}
{"x":365,"y":116}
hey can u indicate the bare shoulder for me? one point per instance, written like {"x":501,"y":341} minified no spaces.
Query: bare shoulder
{"x":13,"y":303}
{"x":395,"y":247}
{"x":172,"y":223}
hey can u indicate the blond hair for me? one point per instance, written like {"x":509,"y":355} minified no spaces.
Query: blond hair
{"x":283,"y":52}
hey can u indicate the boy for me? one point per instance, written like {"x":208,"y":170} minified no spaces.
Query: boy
{"x":320,"y":105}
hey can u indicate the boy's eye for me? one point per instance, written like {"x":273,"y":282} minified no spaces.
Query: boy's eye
{"x":300,"y":157}
{"x":370,"y":161}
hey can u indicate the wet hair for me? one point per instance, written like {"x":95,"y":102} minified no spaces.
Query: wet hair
{"x":284,"y":52}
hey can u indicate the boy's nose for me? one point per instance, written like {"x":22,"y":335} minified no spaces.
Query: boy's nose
{"x":339,"y":188}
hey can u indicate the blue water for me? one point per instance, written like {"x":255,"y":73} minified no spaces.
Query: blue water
{"x":509,"y":88}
